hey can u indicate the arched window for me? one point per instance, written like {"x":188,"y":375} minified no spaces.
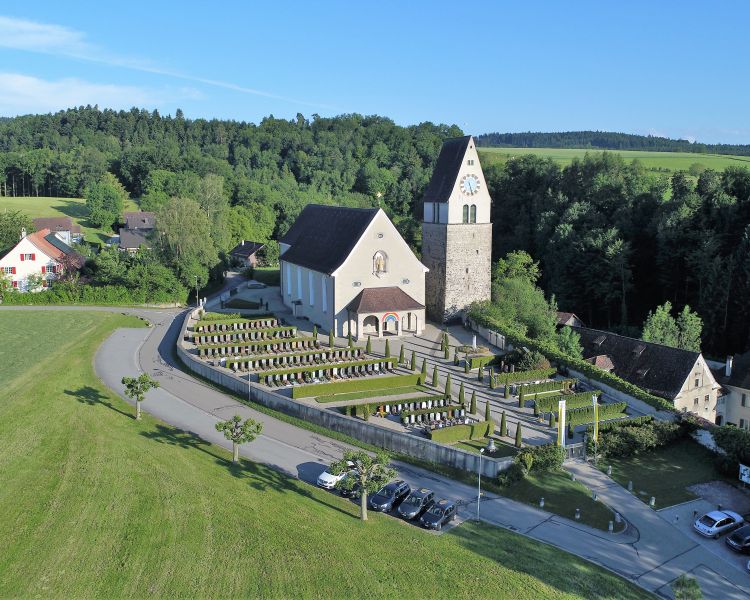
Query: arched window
{"x":473,"y":216}
{"x":380,"y":262}
{"x":466,"y":213}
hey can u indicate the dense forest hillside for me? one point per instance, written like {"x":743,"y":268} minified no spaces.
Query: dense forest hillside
{"x":605,"y":140}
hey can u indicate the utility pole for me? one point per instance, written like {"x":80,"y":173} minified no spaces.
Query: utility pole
{"x":197,"y":301}
{"x":479,"y":480}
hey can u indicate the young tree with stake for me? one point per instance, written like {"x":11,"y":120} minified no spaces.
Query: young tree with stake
{"x":136,"y":388}
{"x":239,"y":432}
{"x":369,"y":473}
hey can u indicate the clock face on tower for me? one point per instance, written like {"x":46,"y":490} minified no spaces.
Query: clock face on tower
{"x":469,"y":184}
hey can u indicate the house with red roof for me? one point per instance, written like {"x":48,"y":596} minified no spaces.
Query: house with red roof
{"x":38,"y":260}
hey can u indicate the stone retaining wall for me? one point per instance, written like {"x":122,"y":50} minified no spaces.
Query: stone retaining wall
{"x":393,"y":441}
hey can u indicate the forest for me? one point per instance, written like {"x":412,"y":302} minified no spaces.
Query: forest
{"x":605,"y":140}
{"x":613,"y":241}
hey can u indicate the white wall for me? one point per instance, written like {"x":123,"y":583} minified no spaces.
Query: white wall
{"x":25,"y":268}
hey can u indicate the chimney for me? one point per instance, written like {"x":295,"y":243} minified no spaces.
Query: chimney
{"x":243,"y":243}
{"x":23,"y":232}
{"x":728,"y":367}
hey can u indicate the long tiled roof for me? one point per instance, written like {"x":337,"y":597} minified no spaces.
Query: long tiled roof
{"x":383,"y":299}
{"x":322,"y":237}
{"x":446,"y":169}
{"x":54,"y":247}
{"x":659,"y":369}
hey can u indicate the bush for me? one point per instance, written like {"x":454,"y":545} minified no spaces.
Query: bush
{"x":518,"y":376}
{"x":513,"y":474}
{"x":637,"y":436}
{"x":105,"y":295}
{"x":549,"y":457}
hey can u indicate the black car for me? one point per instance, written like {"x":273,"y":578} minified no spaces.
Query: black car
{"x":438,"y":515}
{"x":390,"y":496}
{"x":416,"y":503}
{"x":739,"y":539}
{"x":353,"y":492}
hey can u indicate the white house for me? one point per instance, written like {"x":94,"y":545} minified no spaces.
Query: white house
{"x":37,"y":260}
{"x":350,"y":271}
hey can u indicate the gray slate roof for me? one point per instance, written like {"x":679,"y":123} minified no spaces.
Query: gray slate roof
{"x":656,"y":368}
{"x":740,"y":376}
{"x":133,"y":239}
{"x":245,"y":249}
{"x":446,"y":169}
{"x":322,"y":237}
{"x":139,"y":220}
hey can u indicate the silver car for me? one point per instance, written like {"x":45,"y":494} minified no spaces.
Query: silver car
{"x":718,"y":522}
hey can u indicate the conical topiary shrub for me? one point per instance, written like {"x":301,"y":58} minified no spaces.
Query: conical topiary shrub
{"x":521,"y":401}
{"x":503,"y":426}
{"x":455,"y":357}
{"x":519,"y":435}
{"x":480,"y":375}
{"x":506,"y":393}
{"x":368,"y":347}
{"x":315,"y":332}
{"x":424,"y":370}
{"x":461,"y":394}
{"x":493,"y":383}
{"x":447,"y":353}
{"x":473,"y":403}
{"x":387,"y":349}
{"x":487,"y":412}
{"x":448,"y":387}
{"x":552,"y":420}
{"x":413,"y":363}
{"x":350,"y":341}
{"x":466,"y":366}
{"x":401,"y":355}
{"x":434,"y":376}
{"x":330,"y":339}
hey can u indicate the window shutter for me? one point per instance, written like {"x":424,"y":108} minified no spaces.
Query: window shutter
{"x":23,"y":257}
{"x":13,"y":272}
{"x":33,"y":256}
{"x":44,"y":269}
{"x":15,"y":284}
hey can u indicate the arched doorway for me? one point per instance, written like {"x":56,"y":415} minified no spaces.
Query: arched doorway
{"x":390,"y":324}
{"x":370,"y":326}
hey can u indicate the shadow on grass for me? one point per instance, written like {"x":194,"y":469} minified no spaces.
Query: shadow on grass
{"x":184,"y":439}
{"x":91,"y":396}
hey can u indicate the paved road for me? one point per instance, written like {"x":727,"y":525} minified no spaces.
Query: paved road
{"x":651,"y":552}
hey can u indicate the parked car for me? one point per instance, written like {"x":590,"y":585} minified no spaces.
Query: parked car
{"x":739,"y":540}
{"x":329,"y":480}
{"x":438,"y":515}
{"x":390,"y":496}
{"x":416,"y":503}
{"x":718,"y":522}
{"x":353,"y":492}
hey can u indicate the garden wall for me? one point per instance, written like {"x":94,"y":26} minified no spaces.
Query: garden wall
{"x":393,"y":441}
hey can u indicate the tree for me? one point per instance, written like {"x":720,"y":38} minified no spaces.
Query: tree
{"x":331,"y":339}
{"x":350,"y":341}
{"x":447,"y":353}
{"x":239,"y":432}
{"x":467,"y":366}
{"x":368,"y":347}
{"x":686,"y":588}
{"x":413,"y":361}
{"x":368,"y":473}
{"x":387,"y":349}
{"x":690,"y":328}
{"x":401,"y":355}
{"x":136,"y":388}
{"x":455,"y":357}
{"x":552,"y":419}
{"x":487,"y":412}
{"x":662,"y":328}
{"x":517,"y":264}
{"x":315,"y":333}
{"x":521,"y":400}
{"x":506,"y":390}
{"x":569,"y":342}
{"x":11,"y":224}
{"x":105,"y":200}
{"x":503,"y":426}
{"x":423,"y":372}
{"x":434,"y":376}
{"x":519,"y":435}
{"x":448,"y":387}
{"x":462,"y":394}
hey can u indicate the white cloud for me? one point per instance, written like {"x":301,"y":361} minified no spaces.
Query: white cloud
{"x":45,"y":38}
{"x":23,"y":94}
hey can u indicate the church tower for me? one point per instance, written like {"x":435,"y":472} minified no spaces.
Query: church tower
{"x":456,"y":232}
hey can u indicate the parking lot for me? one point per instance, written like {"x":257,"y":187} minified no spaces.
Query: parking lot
{"x":681,"y":516}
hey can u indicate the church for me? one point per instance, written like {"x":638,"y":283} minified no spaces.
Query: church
{"x":349,"y":270}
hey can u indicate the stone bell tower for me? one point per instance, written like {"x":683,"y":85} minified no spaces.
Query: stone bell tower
{"x":456,"y":232}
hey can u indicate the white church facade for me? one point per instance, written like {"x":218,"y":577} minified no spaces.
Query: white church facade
{"x":349,"y":270}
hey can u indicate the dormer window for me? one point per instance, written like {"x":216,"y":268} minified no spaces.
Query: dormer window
{"x":600,"y":340}
{"x":470,"y":162}
{"x":638,"y":350}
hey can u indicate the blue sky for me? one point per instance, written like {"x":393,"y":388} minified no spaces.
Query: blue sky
{"x":670,"y":68}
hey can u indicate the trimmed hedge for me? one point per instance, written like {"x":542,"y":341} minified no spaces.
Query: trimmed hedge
{"x":579,"y":416}
{"x":459,"y":433}
{"x":531,"y":375}
{"x":579,"y":400}
{"x":480,"y":360}
{"x":577,"y":364}
{"x":354,"y":385}
{"x":629,"y":422}
{"x":106,"y":295}
{"x":547,"y":386}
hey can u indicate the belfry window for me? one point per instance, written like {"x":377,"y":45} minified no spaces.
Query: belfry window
{"x":473,"y":215}
{"x":466,"y":213}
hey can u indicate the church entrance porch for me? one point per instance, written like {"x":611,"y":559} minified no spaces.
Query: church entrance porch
{"x":382,"y":312}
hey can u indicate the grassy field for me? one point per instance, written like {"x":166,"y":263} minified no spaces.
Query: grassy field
{"x":474,"y":446}
{"x":657,"y":161}
{"x":561,"y":496}
{"x":96,"y":504}
{"x":75,"y":208}
{"x":665,"y":473}
{"x":375,"y":394}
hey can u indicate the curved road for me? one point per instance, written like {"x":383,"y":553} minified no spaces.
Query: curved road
{"x":651,"y":552}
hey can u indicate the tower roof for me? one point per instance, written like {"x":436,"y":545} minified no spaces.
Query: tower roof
{"x":446,"y":169}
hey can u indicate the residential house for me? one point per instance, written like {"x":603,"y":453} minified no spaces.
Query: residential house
{"x":38,"y":260}
{"x":246,"y":252}
{"x":680,"y":376}
{"x":137,"y":230}
{"x":734,"y":400}
{"x":62,"y":227}
{"x":350,"y":271}
{"x":570,"y":319}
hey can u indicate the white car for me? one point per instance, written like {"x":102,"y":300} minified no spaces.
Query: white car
{"x":328,"y":480}
{"x":718,"y":522}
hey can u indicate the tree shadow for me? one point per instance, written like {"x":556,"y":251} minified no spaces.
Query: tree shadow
{"x":91,"y":396}
{"x":183,"y":439}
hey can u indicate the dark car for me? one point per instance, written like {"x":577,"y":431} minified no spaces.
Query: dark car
{"x":390,"y":496}
{"x":353,"y":492}
{"x":739,"y":539}
{"x":438,"y":515}
{"x":416,"y":503}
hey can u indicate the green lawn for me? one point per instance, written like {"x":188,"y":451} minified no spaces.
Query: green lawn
{"x":75,"y":208}
{"x":666,"y":161}
{"x":96,"y":504}
{"x":666,"y":472}
{"x":268,"y":275}
{"x":561,"y":496}
{"x":374,"y":394}
{"x":476,"y":445}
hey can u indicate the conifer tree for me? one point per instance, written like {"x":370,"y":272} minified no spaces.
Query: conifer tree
{"x":461,"y":394}
{"x":503,"y":426}
{"x":521,"y":401}
{"x":401,"y":355}
{"x":424,"y":369}
{"x":387,"y":349}
{"x":413,"y":363}
{"x":448,"y":387}
{"x":506,"y":393}
{"x":473,"y":403}
{"x":552,"y":420}
{"x":330,"y":339}
{"x":487,"y":412}
{"x":434,"y":376}
{"x":368,"y":348}
{"x":315,"y":332}
{"x":447,"y":353}
{"x":519,"y":435}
